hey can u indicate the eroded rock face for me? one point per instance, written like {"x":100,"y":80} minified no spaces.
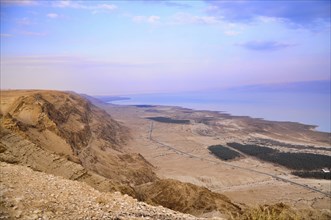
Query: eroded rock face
{"x":52,"y":197}
{"x":62,"y":134}
{"x":68,"y":116}
{"x":17,"y":150}
{"x":185,"y":197}
{"x":70,"y":126}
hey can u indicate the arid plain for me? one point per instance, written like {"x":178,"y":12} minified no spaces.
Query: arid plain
{"x":180,"y":151}
{"x":155,"y":155}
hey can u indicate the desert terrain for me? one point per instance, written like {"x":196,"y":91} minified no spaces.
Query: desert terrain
{"x":63,"y":134}
{"x":180,"y":151}
{"x":123,"y":159}
{"x":27,"y":194}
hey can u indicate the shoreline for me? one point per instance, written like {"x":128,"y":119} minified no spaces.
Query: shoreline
{"x":179,"y":150}
{"x":311,"y":127}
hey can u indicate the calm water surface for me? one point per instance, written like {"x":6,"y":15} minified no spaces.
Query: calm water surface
{"x":303,"y":107}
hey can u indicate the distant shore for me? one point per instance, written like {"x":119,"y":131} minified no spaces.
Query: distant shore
{"x":118,"y":101}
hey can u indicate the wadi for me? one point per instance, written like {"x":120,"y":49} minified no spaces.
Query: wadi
{"x":70,"y":156}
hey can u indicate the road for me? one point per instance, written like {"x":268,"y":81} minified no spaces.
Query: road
{"x":230,"y":165}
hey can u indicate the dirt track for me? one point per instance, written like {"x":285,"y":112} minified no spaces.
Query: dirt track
{"x":227,"y":164}
{"x":180,"y":152}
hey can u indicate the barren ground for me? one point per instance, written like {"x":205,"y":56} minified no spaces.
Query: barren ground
{"x":179,"y":151}
{"x":27,"y":194}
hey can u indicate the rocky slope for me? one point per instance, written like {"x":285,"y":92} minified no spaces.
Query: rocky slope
{"x":185,"y":197}
{"x":15,"y":149}
{"x":63,"y":134}
{"x":71,"y":127}
{"x":27,"y":194}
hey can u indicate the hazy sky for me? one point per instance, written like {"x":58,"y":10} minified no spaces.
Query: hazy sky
{"x":122,"y":47}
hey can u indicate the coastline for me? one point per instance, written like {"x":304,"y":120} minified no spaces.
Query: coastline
{"x":179,"y":150}
{"x":311,"y":127}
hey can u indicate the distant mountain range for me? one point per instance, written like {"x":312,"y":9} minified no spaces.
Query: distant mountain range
{"x":323,"y":86}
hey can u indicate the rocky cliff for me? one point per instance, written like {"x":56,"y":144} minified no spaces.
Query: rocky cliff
{"x":185,"y":197}
{"x":69,"y":126}
{"x":63,"y":134}
{"x":27,"y":194}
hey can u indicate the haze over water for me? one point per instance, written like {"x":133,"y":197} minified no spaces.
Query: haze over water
{"x":307,"y":103}
{"x":170,"y":47}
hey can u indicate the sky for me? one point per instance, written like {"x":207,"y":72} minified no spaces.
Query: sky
{"x":147,"y":46}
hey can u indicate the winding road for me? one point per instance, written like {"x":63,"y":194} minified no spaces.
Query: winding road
{"x":231,"y":165}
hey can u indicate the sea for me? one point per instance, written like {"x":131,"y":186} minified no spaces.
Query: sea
{"x":296,"y":103}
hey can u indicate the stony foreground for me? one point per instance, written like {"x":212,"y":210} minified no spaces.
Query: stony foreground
{"x":27,"y":194}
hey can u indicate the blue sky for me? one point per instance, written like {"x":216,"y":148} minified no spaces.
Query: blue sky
{"x":123,"y":47}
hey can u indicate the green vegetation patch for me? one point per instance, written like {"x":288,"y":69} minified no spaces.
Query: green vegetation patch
{"x":294,"y":161}
{"x":144,"y":106}
{"x":223,"y":153}
{"x":169,"y":120}
{"x":313,"y":174}
{"x":286,"y":145}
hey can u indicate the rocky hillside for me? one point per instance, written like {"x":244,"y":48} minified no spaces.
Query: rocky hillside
{"x":185,"y":197}
{"x":15,"y":149}
{"x":71,"y":127}
{"x":63,"y":134}
{"x":27,"y":194}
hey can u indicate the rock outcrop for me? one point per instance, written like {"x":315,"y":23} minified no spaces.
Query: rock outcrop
{"x":63,"y":134}
{"x":185,"y":197}
{"x":71,"y":127}
{"x":17,"y":150}
{"x":27,"y":194}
